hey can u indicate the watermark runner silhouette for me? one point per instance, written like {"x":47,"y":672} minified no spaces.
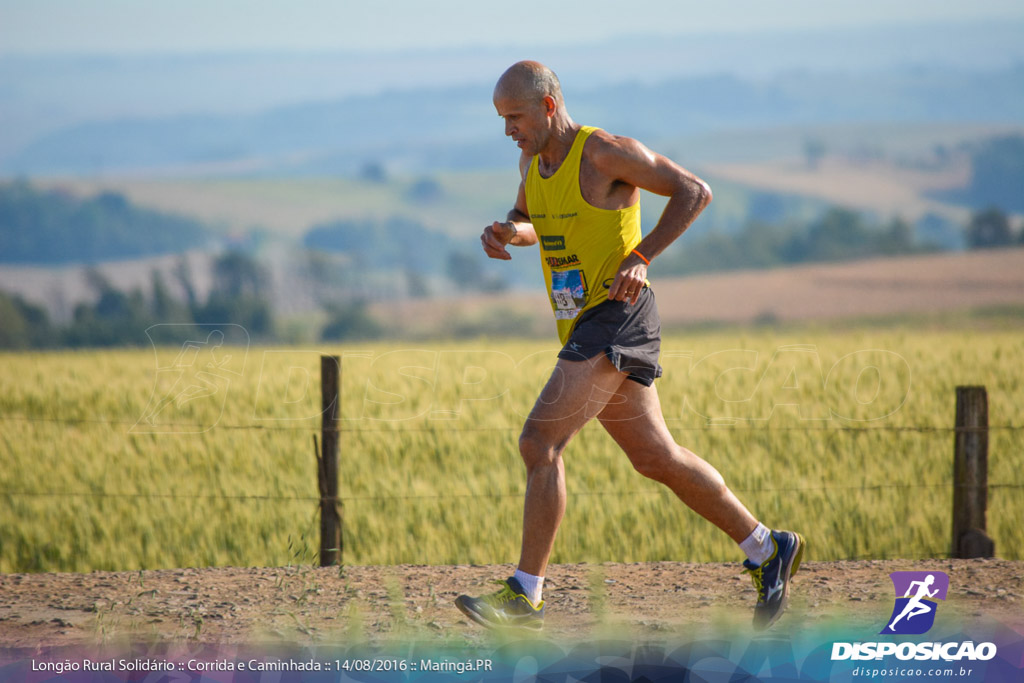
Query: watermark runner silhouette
{"x":209,"y":359}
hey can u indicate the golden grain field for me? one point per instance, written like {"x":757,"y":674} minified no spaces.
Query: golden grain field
{"x":201,"y":455}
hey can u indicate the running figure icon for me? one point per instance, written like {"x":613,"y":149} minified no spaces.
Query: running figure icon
{"x":916,"y":606}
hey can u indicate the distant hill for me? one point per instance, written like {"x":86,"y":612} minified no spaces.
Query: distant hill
{"x":54,"y":227}
{"x":457,"y":127}
{"x":41,"y":94}
{"x":997,"y":178}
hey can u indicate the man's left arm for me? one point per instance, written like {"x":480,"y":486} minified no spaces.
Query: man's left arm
{"x":628,"y":161}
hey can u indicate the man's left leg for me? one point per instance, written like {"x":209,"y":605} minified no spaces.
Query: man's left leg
{"x":636,"y":423}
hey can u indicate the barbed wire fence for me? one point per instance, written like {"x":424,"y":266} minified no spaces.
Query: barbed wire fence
{"x":969,"y":481}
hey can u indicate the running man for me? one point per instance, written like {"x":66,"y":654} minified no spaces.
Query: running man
{"x":915,"y":605}
{"x":579,"y":198}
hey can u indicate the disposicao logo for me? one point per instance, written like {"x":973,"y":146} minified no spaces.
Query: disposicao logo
{"x":916,"y":595}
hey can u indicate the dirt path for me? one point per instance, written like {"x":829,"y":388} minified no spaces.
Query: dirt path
{"x":307,"y":605}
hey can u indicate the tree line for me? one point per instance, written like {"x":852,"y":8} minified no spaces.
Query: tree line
{"x":350,"y":262}
{"x":839,"y":234}
{"x":53,"y":226}
{"x":239,"y":295}
{"x":241,"y":285}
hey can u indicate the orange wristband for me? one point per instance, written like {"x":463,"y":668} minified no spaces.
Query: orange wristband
{"x":642,"y":257}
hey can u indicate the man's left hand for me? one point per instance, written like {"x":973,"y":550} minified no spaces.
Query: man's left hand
{"x":629,"y":281}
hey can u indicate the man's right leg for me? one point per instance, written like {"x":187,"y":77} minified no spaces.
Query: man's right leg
{"x":576,"y":392}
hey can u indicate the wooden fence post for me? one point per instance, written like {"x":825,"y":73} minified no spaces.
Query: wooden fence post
{"x":970,"y":475}
{"x":330,"y":506}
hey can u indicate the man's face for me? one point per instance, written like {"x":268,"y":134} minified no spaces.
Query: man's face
{"x":527,"y":123}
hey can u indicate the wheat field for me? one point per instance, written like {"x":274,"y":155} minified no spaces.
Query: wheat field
{"x":202,"y":455}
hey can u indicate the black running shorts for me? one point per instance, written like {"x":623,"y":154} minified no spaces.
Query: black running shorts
{"x":629,"y":335}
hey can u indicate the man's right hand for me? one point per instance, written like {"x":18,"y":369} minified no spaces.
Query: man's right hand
{"x":495,"y":238}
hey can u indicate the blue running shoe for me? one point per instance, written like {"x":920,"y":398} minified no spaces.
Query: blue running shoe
{"x":508,"y":608}
{"x":771,"y":579}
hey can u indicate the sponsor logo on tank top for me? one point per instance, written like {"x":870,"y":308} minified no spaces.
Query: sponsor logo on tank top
{"x":552,"y":242}
{"x":562,"y":261}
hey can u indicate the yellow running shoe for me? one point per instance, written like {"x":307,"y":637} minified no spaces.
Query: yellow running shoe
{"x":507,"y":608}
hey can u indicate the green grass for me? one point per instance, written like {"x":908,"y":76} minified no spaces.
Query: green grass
{"x":810,"y":437}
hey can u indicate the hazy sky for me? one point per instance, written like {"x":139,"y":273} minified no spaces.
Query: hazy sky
{"x":117,"y":26}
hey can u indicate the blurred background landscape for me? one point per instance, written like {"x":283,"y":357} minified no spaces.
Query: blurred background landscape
{"x":315,"y":175}
{"x":327,"y":181}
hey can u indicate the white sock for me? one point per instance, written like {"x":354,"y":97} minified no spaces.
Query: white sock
{"x":758,"y":545}
{"x":531,"y":584}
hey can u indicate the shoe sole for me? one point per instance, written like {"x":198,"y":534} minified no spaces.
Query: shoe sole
{"x":470,"y":613}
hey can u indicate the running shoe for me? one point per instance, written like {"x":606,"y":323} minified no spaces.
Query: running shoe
{"x":771,"y":579}
{"x":507,"y":608}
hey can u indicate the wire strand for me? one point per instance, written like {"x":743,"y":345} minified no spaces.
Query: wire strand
{"x":464,"y":496}
{"x":446,"y":426}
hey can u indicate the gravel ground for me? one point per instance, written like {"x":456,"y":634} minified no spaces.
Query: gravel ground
{"x":306,"y":605}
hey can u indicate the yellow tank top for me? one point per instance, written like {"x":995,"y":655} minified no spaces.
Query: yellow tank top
{"x":581,"y":246}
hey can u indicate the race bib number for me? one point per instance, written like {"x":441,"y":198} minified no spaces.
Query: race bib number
{"x":567,"y":293}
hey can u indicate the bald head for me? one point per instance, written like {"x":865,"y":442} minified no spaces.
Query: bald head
{"x":528,"y":82}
